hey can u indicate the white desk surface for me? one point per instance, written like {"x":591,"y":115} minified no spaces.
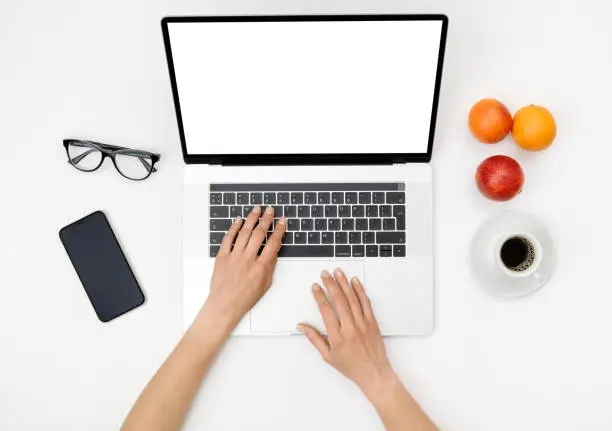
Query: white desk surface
{"x":98,"y":70}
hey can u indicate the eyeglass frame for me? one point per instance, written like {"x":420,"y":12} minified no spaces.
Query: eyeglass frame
{"x":111,"y":151}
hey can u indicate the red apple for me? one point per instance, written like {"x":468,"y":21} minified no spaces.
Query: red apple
{"x":500,"y":178}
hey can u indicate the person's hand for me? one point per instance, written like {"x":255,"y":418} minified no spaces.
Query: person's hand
{"x":354,"y":345}
{"x":241,"y":276}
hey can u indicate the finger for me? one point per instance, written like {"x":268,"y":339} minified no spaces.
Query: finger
{"x":316,"y":339}
{"x":258,"y":235}
{"x":338,"y":298}
{"x":364,"y":300}
{"x":247,"y":228}
{"x":230,"y":236}
{"x":270,"y":251}
{"x":330,"y":320}
{"x":349,"y":292}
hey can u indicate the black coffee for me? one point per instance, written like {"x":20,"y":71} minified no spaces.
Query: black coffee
{"x":516,"y":254}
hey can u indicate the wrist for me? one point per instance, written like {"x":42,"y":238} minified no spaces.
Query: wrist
{"x":381,"y":387}
{"x":212,"y":326}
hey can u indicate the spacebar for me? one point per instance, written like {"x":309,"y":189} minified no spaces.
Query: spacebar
{"x":306,"y":251}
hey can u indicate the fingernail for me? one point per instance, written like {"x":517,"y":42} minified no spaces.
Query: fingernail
{"x":355,"y":279}
{"x":338,"y":271}
{"x":283,"y":220}
{"x":325,"y":274}
{"x":257,"y":209}
{"x":300,"y":329}
{"x":237,"y":219}
{"x":315,"y":287}
{"x":269,"y":210}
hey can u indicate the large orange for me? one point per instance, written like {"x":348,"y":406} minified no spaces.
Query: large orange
{"x":534,"y":128}
{"x":490,"y":121}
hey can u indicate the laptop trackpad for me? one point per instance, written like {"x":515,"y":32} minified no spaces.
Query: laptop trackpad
{"x":289,"y":300}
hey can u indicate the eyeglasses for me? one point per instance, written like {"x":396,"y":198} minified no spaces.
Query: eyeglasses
{"x":87,"y":156}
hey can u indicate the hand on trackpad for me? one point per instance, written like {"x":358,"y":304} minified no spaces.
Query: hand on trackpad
{"x":289,"y":300}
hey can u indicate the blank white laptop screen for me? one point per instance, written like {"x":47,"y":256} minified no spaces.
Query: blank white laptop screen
{"x":306,"y":87}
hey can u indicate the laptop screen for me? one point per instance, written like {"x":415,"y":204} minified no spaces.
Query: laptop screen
{"x":306,"y":87}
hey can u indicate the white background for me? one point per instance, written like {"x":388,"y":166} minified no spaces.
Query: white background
{"x":306,"y":87}
{"x":97,"y":69}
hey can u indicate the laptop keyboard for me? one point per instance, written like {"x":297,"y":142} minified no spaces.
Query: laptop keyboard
{"x":323,"y":219}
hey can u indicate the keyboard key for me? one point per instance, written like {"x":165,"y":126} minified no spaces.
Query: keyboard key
{"x":220,"y":225}
{"x":375,"y":224}
{"x":358,"y":211}
{"x":372,"y":211}
{"x":340,"y":237}
{"x":242,"y":199}
{"x":306,"y":251}
{"x":361,"y":224}
{"x":314,"y":237}
{"x":369,"y":238}
{"x":297,"y":198}
{"x":320,"y":224}
{"x":300,"y":237}
{"x":389,"y":224}
{"x":390,"y":237}
{"x":385,"y":210}
{"x":256,"y":199}
{"x":337,"y":198}
{"x":371,"y":250}
{"x":235,"y":211}
{"x":350,"y":197}
{"x":246,"y":210}
{"x":348,"y":224}
{"x":216,"y":237}
{"x":399,"y":250}
{"x":354,"y":237}
{"x":343,"y":251}
{"x":358,"y":251}
{"x":310,"y":198}
{"x":396,"y":197}
{"x":303,"y":211}
{"x":365,"y":197}
{"x":216,"y":198}
{"x":219,"y":212}
{"x":399,"y":212}
{"x":307,"y":224}
{"x":378,"y":197}
{"x":324,"y":198}
{"x":288,"y":238}
{"x":269,"y":198}
{"x":331,"y":211}
{"x":316,"y":211}
{"x":282,"y":198}
{"x":214,"y":250}
{"x":385,"y":251}
{"x":278,"y":211}
{"x":333,"y":224}
{"x":344,"y":211}
{"x":293,"y":224}
{"x":327,"y":237}
{"x":229,"y":198}
{"x":290,"y":211}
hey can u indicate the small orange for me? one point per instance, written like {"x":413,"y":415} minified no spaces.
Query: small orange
{"x":534,"y":128}
{"x":490,"y":121}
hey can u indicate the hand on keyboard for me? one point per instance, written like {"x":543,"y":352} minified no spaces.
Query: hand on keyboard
{"x":243,"y":267}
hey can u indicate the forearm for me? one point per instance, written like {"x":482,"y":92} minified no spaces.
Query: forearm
{"x":396,"y":407}
{"x":163,"y":404}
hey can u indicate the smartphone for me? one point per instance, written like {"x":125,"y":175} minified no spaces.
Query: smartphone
{"x":101,"y":266}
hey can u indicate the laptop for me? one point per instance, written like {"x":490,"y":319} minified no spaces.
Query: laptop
{"x":330,"y":120}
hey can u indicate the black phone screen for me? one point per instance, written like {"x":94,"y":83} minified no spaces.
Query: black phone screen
{"x":101,"y":266}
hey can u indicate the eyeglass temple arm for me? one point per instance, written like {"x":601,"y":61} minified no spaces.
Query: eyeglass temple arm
{"x":80,"y":157}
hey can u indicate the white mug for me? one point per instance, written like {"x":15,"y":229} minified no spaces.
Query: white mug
{"x":534,"y":262}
